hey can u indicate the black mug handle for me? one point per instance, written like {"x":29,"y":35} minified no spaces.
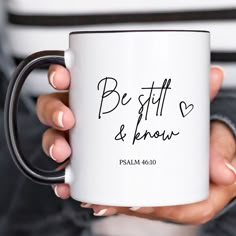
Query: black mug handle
{"x":10,"y":116}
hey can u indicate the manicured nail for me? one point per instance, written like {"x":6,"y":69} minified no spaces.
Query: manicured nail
{"x":60,"y":119}
{"x":51,"y":152}
{"x":100,"y":213}
{"x":56,"y":192}
{"x":134,"y":208}
{"x":85,"y":205}
{"x":230,"y":167}
{"x":51,"y":79}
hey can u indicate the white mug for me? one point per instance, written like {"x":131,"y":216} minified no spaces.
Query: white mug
{"x":141,"y":103}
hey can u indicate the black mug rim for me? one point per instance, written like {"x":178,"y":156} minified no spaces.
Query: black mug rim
{"x":134,"y":31}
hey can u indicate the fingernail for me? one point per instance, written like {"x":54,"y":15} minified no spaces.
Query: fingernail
{"x":230,"y":167}
{"x":85,"y":205}
{"x":51,"y":79}
{"x":58,"y":119}
{"x":100,"y":213}
{"x":56,"y":192}
{"x":51,"y":152}
{"x":134,"y":208}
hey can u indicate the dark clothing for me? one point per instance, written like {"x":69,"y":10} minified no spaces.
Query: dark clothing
{"x":224,"y":225}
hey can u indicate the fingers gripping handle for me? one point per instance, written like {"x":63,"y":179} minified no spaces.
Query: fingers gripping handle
{"x":10,"y":120}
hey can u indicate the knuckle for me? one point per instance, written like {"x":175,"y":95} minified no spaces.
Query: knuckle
{"x":45,"y":138}
{"x":40,"y":105}
{"x":41,"y":99}
{"x":47,"y":133}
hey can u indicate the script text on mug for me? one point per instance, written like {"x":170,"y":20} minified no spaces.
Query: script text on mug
{"x":150,"y":96}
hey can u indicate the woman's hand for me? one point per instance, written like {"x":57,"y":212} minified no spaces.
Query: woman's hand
{"x":53,"y":111}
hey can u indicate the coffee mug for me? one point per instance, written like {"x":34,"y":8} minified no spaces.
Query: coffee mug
{"x":141,"y":104}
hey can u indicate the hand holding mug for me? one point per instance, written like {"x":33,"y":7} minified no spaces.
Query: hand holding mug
{"x":222,"y":147}
{"x":138,"y":124}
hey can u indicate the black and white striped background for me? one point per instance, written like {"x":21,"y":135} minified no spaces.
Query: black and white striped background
{"x":34,"y":26}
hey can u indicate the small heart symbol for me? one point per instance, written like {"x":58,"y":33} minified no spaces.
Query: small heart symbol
{"x":185,"y":110}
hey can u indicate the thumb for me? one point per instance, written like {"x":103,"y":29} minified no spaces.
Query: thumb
{"x":222,"y":154}
{"x":216,"y":79}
